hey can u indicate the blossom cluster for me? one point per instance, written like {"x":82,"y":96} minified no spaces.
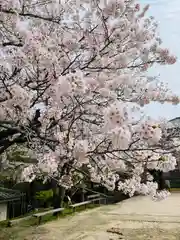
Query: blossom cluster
{"x":73,"y":83}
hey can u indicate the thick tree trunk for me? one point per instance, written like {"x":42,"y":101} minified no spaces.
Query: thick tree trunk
{"x":82,"y":196}
{"x":58,"y":196}
{"x":31,"y":194}
{"x":162,"y":184}
{"x":159,"y":178}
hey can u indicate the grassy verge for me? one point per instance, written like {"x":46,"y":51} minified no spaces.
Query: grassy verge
{"x":175,"y":189}
{"x":27,"y":227}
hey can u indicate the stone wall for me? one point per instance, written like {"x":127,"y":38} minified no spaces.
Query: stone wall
{"x":3,"y":211}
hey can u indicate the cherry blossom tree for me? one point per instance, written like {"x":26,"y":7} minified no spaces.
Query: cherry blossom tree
{"x":73,"y":82}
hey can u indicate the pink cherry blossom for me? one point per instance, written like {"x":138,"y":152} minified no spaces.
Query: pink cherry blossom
{"x":72,"y":86}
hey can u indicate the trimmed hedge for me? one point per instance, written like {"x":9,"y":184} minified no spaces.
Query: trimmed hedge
{"x":175,"y":183}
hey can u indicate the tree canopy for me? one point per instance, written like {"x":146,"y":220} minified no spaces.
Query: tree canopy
{"x":72,"y":86}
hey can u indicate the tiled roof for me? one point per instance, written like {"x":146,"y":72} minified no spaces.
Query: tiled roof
{"x":174,"y":122}
{"x":9,"y":194}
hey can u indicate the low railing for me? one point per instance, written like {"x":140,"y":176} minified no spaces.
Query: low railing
{"x":109,"y":199}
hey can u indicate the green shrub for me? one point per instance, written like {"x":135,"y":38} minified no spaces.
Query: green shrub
{"x":175,"y":183}
{"x":44,"y":195}
{"x":45,"y":198}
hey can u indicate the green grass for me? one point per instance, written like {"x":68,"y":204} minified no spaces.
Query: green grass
{"x":49,"y":217}
{"x":175,"y":189}
{"x":26,"y":227}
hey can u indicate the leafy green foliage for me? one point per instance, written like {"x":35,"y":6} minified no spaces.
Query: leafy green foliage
{"x":20,"y":155}
{"x":44,"y":195}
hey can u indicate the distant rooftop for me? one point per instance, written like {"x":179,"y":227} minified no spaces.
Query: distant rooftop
{"x":177,"y":119}
{"x":7,"y":195}
{"x":175,"y":122}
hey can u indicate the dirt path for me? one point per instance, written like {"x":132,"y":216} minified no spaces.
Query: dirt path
{"x":136,"y":218}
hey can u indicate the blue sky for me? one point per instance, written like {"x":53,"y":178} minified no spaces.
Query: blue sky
{"x":167,"y":13}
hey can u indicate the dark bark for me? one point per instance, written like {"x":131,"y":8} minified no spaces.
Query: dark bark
{"x":7,"y":133}
{"x":159,"y":178}
{"x":31,"y":193}
{"x":162,"y":184}
{"x":58,"y":195}
{"x":5,"y":144}
{"x":12,"y":44}
{"x":83,"y":196}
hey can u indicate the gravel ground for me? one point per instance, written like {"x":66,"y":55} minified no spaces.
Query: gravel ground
{"x":133,"y":219}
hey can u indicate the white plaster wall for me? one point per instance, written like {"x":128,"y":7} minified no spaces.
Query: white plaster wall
{"x":3,"y":211}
